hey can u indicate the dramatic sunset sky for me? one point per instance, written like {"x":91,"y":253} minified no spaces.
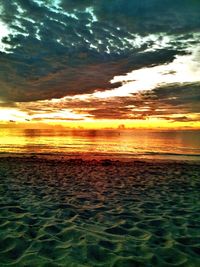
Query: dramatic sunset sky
{"x":100,"y":63}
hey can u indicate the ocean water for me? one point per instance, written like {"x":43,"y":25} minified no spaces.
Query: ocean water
{"x":184,"y":145}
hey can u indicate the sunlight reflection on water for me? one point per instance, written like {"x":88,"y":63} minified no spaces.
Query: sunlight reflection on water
{"x":119,"y":143}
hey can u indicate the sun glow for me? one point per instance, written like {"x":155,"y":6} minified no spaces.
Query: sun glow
{"x":61,"y":115}
{"x":12,"y":114}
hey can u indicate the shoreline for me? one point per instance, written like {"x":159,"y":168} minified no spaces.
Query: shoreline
{"x":99,"y":157}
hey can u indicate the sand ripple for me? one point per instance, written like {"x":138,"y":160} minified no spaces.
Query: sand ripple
{"x":90,"y":213}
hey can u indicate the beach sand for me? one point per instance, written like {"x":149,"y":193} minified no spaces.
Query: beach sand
{"x":71,"y":212}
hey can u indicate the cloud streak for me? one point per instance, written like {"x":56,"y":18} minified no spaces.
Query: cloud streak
{"x":172,"y":102}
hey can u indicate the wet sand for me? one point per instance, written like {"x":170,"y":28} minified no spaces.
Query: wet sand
{"x":70,"y":212}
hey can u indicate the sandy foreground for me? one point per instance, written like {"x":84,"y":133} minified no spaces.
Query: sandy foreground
{"x":71,"y":212}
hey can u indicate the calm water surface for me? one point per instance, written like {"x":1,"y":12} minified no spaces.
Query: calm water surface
{"x":124,"y":143}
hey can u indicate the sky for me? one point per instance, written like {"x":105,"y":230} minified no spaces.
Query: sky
{"x":99,"y":63}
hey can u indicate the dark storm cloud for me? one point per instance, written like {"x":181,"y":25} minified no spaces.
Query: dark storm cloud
{"x":184,"y":98}
{"x":180,"y":118}
{"x":146,"y":16}
{"x":41,"y":77}
{"x":79,"y":46}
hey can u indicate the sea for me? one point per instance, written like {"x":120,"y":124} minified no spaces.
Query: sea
{"x":112,"y":144}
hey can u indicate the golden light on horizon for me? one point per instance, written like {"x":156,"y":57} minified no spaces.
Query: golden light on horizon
{"x":89,"y":123}
{"x":12,"y":114}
